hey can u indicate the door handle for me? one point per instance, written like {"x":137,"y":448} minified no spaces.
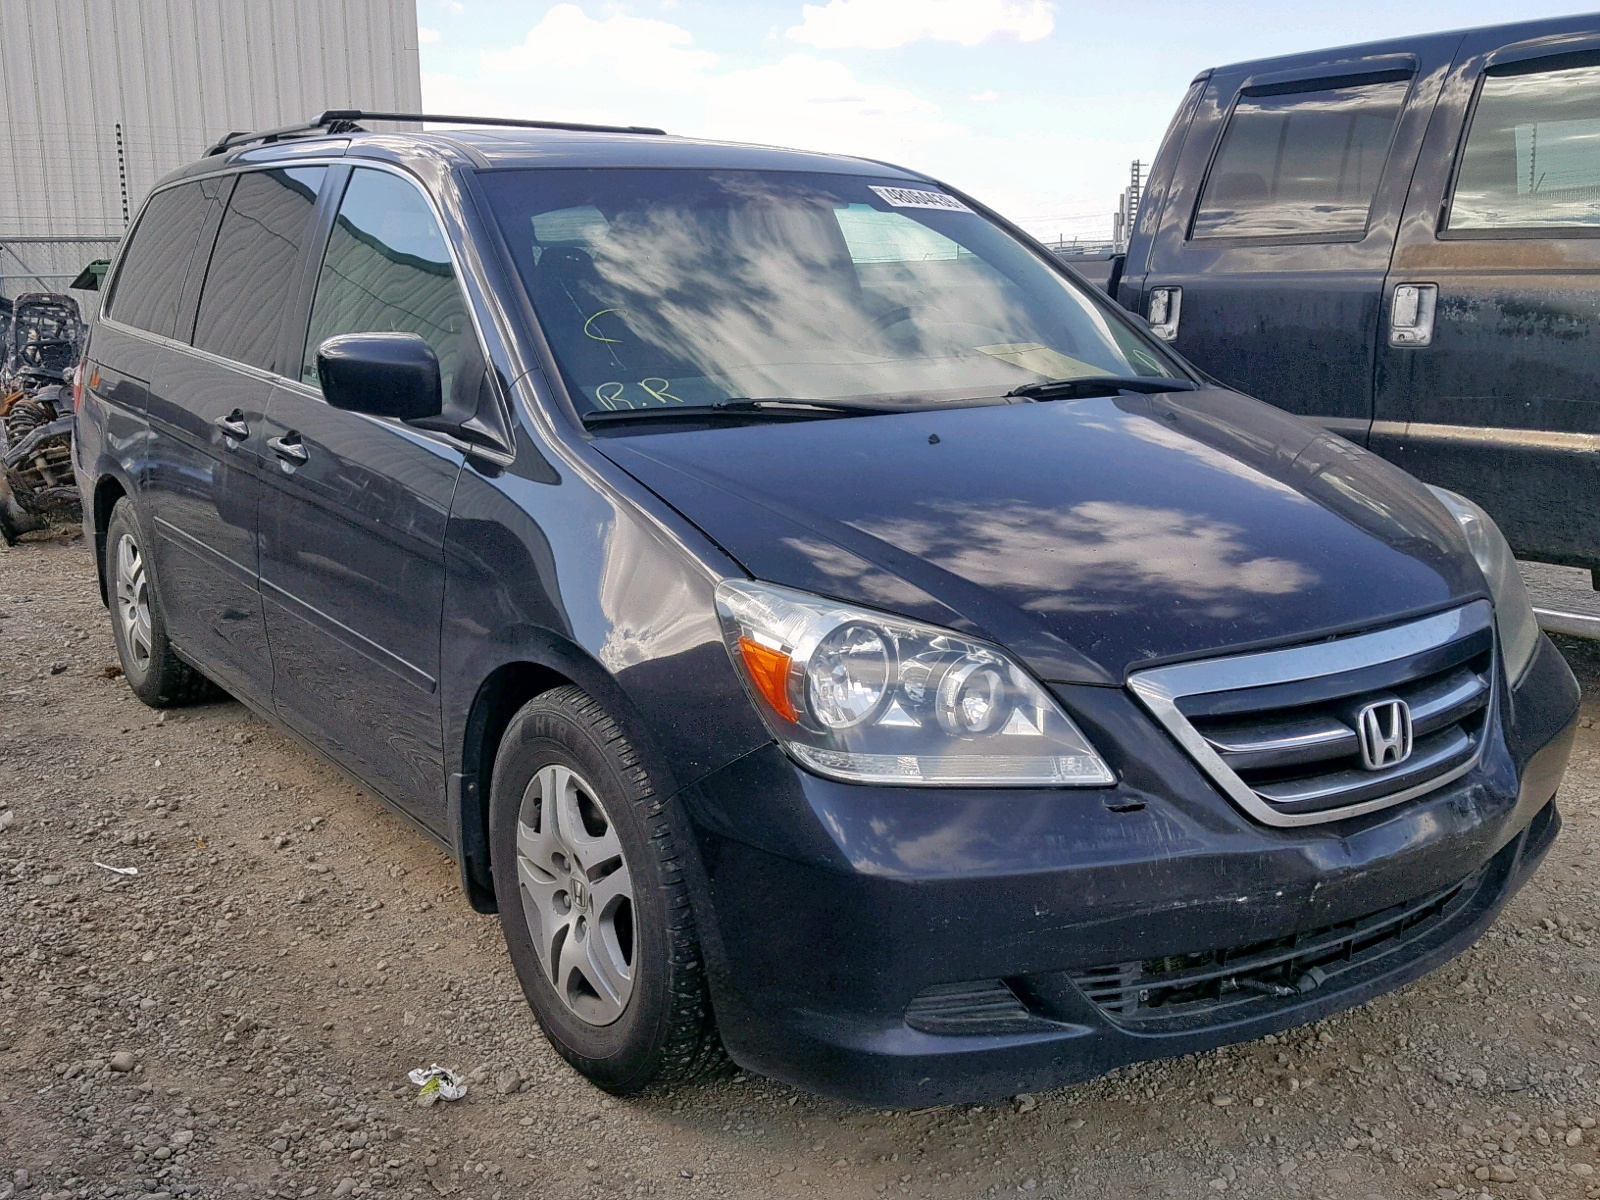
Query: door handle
{"x":1166,"y":306}
{"x":1411,"y":314}
{"x":290,"y":449}
{"x":233,"y":426}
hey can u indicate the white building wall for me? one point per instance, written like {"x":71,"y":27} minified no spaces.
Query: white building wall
{"x":171,"y":77}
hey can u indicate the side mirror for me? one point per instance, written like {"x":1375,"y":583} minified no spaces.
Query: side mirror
{"x":381,"y":374}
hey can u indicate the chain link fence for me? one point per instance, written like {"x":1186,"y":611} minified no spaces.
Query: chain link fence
{"x":49,"y":264}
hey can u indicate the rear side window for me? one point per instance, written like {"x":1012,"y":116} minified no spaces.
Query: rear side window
{"x":874,"y":236}
{"x":1298,"y":164}
{"x":150,"y":279}
{"x":1532,"y":158}
{"x":388,"y":270}
{"x":251,"y":277}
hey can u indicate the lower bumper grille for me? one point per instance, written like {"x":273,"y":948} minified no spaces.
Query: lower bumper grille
{"x":1212,"y":992}
{"x":1216,"y":985}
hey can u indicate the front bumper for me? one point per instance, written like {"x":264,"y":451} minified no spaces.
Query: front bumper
{"x":829,"y":910}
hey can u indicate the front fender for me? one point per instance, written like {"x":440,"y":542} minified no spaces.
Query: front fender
{"x":553,"y":579}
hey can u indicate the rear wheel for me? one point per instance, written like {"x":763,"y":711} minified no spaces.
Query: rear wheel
{"x":150,"y":665}
{"x":592,"y":899}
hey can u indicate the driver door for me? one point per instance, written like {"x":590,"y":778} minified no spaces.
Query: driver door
{"x":355,"y":507}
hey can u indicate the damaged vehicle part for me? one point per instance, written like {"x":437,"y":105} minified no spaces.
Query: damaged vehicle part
{"x":41,"y":351}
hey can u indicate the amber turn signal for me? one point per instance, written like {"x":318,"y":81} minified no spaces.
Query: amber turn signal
{"x":769,"y":671}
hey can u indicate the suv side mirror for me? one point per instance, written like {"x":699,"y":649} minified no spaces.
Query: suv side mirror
{"x":381,"y":374}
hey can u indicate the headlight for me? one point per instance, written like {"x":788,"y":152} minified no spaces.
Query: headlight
{"x":1513,"y":611}
{"x":869,"y":698}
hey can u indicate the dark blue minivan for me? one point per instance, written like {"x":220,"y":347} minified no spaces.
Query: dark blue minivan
{"x":822,"y":628}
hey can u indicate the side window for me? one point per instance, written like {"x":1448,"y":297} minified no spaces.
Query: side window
{"x":150,"y":279}
{"x":250,"y":280}
{"x":875,"y":236}
{"x":1297,"y":164}
{"x":584,"y":226}
{"x":1532,"y":158}
{"x":388,"y":270}
{"x":898,"y":261}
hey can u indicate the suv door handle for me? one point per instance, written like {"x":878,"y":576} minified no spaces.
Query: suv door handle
{"x":290,"y":449}
{"x":1166,"y":306}
{"x":233,"y":426}
{"x":1411,"y":314}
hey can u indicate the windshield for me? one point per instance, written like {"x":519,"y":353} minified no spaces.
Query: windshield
{"x":693,"y":288}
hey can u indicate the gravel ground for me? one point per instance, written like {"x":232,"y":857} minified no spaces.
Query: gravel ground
{"x":239,"y":1018}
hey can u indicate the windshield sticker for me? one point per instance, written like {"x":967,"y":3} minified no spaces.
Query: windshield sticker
{"x":912,"y":198}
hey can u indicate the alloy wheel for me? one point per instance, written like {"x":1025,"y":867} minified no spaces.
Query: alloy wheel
{"x":133,"y":600}
{"x":577,"y":894}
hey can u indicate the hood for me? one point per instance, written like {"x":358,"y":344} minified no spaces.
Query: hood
{"x":1088,"y":536}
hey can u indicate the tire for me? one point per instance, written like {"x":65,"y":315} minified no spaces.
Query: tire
{"x":14,"y":519}
{"x":152,"y":668}
{"x":599,"y":892}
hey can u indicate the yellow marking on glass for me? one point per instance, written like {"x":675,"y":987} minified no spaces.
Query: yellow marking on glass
{"x":600,"y":337}
{"x":659,"y":391}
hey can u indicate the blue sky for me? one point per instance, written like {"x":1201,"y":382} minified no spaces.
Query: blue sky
{"x":1035,"y":107}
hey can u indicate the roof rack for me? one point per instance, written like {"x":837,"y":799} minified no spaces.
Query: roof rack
{"x":345,"y":120}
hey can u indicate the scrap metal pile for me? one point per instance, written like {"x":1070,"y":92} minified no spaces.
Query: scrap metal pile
{"x":38,"y":356}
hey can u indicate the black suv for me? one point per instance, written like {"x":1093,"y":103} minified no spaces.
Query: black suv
{"x":817,"y":624}
{"x":1401,"y":241}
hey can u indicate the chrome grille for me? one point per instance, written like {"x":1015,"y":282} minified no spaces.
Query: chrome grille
{"x":1277,"y":730}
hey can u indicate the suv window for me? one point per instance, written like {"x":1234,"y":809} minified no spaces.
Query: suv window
{"x":150,"y":279}
{"x":1300,"y":163}
{"x":388,"y":270}
{"x":251,"y":277}
{"x":1533,"y":153}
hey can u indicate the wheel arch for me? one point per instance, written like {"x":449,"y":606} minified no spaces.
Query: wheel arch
{"x":507,"y":688}
{"x":503,"y":691}
{"x":108,"y":489}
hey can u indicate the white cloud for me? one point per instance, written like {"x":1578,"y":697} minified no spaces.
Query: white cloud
{"x":426,"y":36}
{"x":629,"y":70}
{"x":886,"y":24}
{"x":983,"y":97}
{"x":817,"y":104}
{"x":619,"y":53}
{"x":641,"y":71}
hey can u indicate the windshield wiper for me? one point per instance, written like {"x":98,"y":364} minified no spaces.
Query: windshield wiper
{"x":741,"y":407}
{"x":1100,"y":385}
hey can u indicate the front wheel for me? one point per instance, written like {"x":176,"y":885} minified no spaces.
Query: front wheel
{"x":592,"y":899}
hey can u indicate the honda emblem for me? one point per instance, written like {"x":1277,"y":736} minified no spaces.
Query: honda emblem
{"x":1384,"y":729}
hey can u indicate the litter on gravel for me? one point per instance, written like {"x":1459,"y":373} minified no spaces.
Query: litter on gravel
{"x":117,"y":870}
{"x":437,"y":1083}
